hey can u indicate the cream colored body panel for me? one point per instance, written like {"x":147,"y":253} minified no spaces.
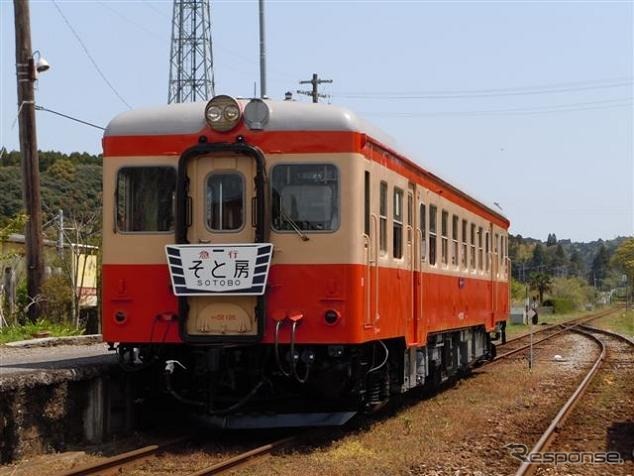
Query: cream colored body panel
{"x":344,"y":246}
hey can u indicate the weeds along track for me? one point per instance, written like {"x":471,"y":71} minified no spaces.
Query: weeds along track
{"x":603,"y":421}
{"x":119,"y":463}
{"x":177,"y":456}
{"x":521,"y":343}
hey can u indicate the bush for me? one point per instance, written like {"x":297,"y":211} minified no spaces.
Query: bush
{"x":562,"y":305}
{"x":575,"y":291}
{"x":58,"y":295}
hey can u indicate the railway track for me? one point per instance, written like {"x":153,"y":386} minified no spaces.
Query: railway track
{"x":117,"y":464}
{"x":553,"y":329}
{"x":243,"y":459}
{"x":603,"y":339}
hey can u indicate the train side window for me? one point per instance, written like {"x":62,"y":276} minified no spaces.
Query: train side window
{"x":480,"y":231}
{"x":496,"y":251}
{"x":454,"y":239}
{"x":473,"y":247}
{"x":444,"y":244}
{"x":145,"y":199}
{"x":383,"y":217}
{"x":423,"y":230}
{"x":225,"y":201}
{"x":502,"y":254}
{"x":432,"y":234}
{"x":465,"y":249}
{"x":397,"y":224}
{"x":366,"y":204}
{"x":487,"y":244}
{"x":305,"y":197}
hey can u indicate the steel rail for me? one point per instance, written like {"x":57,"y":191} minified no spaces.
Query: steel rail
{"x":591,"y":317}
{"x":608,"y":333}
{"x":124,"y":459}
{"x":243,"y":458}
{"x":527,"y":467}
{"x":565,"y":326}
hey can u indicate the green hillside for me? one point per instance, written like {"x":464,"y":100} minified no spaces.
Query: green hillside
{"x":71,"y":182}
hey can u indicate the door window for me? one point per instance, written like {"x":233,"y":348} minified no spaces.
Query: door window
{"x":225,"y":201}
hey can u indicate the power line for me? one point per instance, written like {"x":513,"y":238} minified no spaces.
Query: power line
{"x":130,"y":21}
{"x":42,"y":108}
{"x":571,"y":107}
{"x":92,"y":60}
{"x":501,"y":92}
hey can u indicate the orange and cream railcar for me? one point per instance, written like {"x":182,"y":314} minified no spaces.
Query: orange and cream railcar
{"x":281,"y":255}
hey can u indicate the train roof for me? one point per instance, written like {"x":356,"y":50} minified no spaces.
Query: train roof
{"x":189,"y":118}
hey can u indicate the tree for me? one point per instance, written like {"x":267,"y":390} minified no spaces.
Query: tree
{"x":600,"y":266}
{"x":541,"y":282}
{"x":551,"y":240}
{"x":538,"y":256}
{"x":623,"y":259}
{"x":576,"y":266}
{"x":558,"y":261}
{"x":14,"y":225}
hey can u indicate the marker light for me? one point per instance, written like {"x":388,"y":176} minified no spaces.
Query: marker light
{"x":222,"y":113}
{"x":256,"y":114}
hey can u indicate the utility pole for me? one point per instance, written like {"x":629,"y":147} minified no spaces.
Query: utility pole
{"x":316,"y":81}
{"x":25,"y":70}
{"x":262,"y":53}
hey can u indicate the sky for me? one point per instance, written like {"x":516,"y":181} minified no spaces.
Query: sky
{"x":527,"y":104}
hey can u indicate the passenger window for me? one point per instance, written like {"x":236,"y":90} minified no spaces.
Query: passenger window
{"x":305,"y":197}
{"x":366,"y":204}
{"x":480,"y":258}
{"x":423,"y":230}
{"x":145,"y":199}
{"x":473,"y":247}
{"x":225,"y":201}
{"x":397,"y":224}
{"x":454,"y":239}
{"x":383,"y":218}
{"x":487,"y":243}
{"x":465,"y":250}
{"x":432,"y":235}
{"x":496,"y":251}
{"x":444,"y":245}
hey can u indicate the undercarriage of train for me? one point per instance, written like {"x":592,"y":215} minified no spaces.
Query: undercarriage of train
{"x":306,"y":384}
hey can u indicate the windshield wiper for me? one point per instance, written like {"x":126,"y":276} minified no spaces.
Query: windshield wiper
{"x":294,"y":226}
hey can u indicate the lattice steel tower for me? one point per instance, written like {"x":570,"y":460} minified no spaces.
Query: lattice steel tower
{"x":191,"y":58}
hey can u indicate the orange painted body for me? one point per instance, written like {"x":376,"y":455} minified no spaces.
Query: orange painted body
{"x":143,"y":294}
{"x":410,"y":304}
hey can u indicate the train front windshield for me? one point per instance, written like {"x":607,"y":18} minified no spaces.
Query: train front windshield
{"x":305,"y":197}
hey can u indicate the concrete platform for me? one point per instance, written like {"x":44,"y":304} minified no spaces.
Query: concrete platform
{"x":29,"y":365}
{"x":53,"y":394}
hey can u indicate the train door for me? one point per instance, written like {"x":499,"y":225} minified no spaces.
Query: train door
{"x":411,"y":261}
{"x":494,"y":273}
{"x":414,"y":248}
{"x":371,"y":256}
{"x":421,"y":255}
{"x":220,"y":217}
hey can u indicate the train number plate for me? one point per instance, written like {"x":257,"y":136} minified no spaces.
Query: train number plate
{"x":230,"y":269}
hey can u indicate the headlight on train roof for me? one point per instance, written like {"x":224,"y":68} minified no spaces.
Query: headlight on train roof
{"x":222,"y":113}
{"x":256,"y":114}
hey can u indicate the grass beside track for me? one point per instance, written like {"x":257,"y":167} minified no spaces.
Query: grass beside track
{"x":515,"y":330}
{"x":623,"y":323}
{"x":14,"y":332}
